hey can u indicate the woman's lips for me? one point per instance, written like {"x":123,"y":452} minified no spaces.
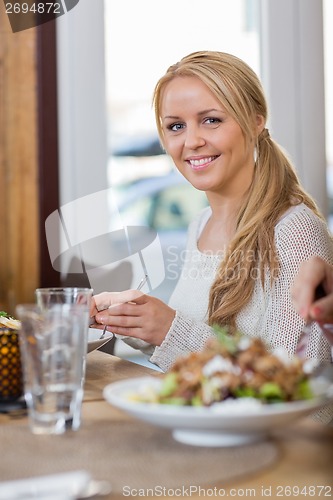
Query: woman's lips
{"x":200,"y":163}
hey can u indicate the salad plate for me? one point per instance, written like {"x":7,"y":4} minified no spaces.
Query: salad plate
{"x":227,"y":423}
{"x":94,"y":340}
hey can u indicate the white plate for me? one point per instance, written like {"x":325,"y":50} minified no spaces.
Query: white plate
{"x":94,"y":340}
{"x":225,"y":424}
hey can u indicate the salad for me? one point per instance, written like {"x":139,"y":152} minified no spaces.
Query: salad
{"x":232,"y":367}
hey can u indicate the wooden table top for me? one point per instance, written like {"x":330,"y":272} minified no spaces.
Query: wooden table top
{"x":306,"y":447}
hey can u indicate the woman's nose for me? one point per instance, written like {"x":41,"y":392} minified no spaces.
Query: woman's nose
{"x":194,"y":138}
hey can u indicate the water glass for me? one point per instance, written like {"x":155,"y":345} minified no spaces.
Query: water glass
{"x":65,"y":295}
{"x":53,"y":344}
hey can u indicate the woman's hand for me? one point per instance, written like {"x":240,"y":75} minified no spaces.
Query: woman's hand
{"x":134,"y":314}
{"x":312,"y":273}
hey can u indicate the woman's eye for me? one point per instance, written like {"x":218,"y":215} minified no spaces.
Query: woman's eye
{"x":212,"y":120}
{"x":175,"y":127}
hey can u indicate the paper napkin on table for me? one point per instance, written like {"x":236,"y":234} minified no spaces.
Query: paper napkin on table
{"x":64,"y":486}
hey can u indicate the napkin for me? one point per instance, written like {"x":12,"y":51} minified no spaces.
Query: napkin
{"x":65,"y":486}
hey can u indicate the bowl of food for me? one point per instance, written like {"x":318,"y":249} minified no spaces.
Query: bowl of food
{"x":233,"y":392}
{"x":11,"y":381}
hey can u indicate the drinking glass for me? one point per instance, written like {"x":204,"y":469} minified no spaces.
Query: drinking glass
{"x":65,"y":295}
{"x":53,"y":344}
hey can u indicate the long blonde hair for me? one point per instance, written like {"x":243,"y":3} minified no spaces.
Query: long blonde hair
{"x":275,"y":186}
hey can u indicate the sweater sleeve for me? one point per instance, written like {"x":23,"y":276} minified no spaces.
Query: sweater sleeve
{"x":185,"y":335}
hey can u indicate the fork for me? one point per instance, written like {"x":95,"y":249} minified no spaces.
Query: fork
{"x":304,"y":337}
{"x":140,"y":285}
{"x":303,"y":340}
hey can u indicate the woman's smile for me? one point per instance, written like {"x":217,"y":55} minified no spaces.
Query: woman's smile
{"x":201,"y":163}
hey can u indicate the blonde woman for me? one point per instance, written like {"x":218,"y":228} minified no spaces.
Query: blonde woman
{"x":245,"y":249}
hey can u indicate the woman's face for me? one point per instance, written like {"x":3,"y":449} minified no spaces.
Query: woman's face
{"x":204,"y":141}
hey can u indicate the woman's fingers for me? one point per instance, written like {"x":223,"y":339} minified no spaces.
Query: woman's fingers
{"x":138,"y":315}
{"x":104,"y":300}
{"x":122,"y":304}
{"x":322,"y":310}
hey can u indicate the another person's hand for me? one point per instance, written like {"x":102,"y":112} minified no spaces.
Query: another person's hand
{"x":312,"y":273}
{"x":134,"y":314}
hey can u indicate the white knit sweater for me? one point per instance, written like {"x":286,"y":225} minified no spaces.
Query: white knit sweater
{"x":269,"y":314}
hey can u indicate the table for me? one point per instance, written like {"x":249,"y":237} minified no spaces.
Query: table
{"x":305,"y":449}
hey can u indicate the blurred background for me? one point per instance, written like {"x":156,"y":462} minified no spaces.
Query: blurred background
{"x":78,"y":133}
